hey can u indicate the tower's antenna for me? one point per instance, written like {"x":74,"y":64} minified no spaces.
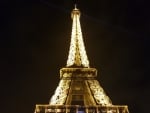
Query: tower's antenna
{"x":75,"y":6}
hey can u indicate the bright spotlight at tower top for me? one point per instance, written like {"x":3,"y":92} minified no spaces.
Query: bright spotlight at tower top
{"x":77,"y":54}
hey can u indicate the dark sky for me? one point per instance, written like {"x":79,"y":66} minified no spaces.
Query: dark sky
{"x":35,"y":37}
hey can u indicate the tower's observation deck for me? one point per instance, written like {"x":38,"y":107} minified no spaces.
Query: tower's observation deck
{"x":78,"y":89}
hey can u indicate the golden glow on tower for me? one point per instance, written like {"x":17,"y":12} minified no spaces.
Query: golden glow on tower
{"x":61,"y":91}
{"x":77,"y":54}
{"x":78,"y":89}
{"x":78,"y":58}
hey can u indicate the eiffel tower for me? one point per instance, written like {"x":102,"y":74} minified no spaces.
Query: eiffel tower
{"x":78,"y":90}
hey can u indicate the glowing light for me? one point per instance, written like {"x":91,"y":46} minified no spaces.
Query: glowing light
{"x":98,"y":92}
{"x":79,"y":82}
{"x":77,"y":57}
{"x":60,"y":94}
{"x":77,"y":54}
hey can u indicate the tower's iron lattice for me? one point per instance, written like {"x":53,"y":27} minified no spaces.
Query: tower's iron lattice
{"x":78,"y":90}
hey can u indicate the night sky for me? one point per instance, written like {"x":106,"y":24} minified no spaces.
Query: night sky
{"x":35,"y":38}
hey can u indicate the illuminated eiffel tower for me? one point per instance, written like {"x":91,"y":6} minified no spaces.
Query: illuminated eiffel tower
{"x":78,"y":90}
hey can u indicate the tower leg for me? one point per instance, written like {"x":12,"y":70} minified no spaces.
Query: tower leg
{"x":86,"y":110}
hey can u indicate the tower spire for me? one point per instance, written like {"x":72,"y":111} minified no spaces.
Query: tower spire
{"x":75,"y":6}
{"x":77,"y":53}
